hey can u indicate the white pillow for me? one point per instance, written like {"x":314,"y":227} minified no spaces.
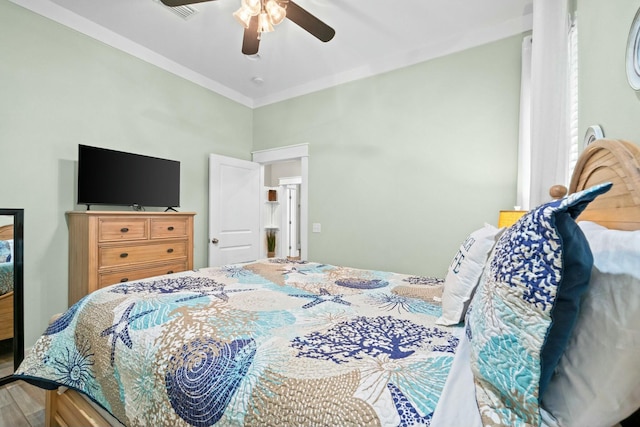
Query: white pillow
{"x":597,"y":382}
{"x":464,"y":273}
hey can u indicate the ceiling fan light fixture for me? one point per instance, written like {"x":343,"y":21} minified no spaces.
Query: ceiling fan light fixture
{"x":243,"y":16}
{"x":260,"y":16}
{"x":276,"y":12}
{"x":264,"y":23}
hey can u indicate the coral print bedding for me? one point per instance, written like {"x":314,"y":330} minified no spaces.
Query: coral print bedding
{"x":272,"y":342}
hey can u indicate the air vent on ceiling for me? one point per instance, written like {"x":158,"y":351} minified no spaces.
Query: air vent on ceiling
{"x":185,"y":12}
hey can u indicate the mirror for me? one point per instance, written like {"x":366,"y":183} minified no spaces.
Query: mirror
{"x":11,"y":292}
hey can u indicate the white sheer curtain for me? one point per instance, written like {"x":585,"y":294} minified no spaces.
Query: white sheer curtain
{"x":574,"y":150}
{"x":545,"y":124}
{"x":524,"y":147}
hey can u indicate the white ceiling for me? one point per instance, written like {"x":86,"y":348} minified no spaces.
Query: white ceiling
{"x":372,"y":36}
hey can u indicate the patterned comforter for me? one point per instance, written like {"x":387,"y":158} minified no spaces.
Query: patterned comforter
{"x":268,"y":343}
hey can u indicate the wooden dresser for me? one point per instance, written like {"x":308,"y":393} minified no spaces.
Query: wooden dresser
{"x":111,"y":247}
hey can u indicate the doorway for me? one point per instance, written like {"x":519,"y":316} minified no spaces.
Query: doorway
{"x":284,"y":167}
{"x":234,"y":187}
{"x":290,"y":188}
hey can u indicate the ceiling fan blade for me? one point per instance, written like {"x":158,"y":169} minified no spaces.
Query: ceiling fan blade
{"x":310,"y":23}
{"x":250,"y":40}
{"x":176,"y":3}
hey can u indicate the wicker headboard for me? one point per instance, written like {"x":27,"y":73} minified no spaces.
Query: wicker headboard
{"x":616,"y":161}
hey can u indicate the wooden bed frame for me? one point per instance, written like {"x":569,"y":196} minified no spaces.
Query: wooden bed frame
{"x":604,"y":160}
{"x":615,"y":161}
{"x":6,"y":300}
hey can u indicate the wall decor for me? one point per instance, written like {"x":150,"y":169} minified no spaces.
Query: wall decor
{"x":633,"y":53}
{"x":593,"y":133}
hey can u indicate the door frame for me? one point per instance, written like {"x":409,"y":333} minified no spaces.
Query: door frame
{"x":290,"y":152}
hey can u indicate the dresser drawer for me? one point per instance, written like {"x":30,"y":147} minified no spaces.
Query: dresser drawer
{"x":116,"y":229}
{"x":141,"y":273}
{"x":163,"y":228}
{"x":106,"y":247}
{"x":111,"y":256}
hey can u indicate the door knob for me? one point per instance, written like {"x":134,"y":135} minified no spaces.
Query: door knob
{"x":214,"y":241}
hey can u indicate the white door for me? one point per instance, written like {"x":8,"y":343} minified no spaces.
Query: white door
{"x":234,"y":210}
{"x":293,"y":220}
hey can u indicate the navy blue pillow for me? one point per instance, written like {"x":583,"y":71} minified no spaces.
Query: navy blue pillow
{"x":577,"y":263}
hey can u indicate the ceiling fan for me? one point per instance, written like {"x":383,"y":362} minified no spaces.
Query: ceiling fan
{"x":259,"y":16}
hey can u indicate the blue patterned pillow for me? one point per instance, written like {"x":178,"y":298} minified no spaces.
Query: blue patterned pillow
{"x":525,"y":308}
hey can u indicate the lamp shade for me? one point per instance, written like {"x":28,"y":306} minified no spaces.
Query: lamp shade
{"x":252,"y":6}
{"x":243,"y":16}
{"x":276,"y":12}
{"x":264,"y":23}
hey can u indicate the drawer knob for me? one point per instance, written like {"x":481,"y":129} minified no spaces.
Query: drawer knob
{"x":170,"y":272}
{"x":170,"y":250}
{"x":124,"y":229}
{"x":124,"y":279}
{"x":170,"y":228}
{"x":124,"y":255}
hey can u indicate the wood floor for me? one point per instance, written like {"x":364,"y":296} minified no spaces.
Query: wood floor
{"x":21,"y":405}
{"x":6,"y":357}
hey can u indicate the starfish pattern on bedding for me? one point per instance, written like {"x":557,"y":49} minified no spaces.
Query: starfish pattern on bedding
{"x":325,"y":296}
{"x":408,"y":413}
{"x":219,"y":292}
{"x":292,"y":270}
{"x":122,"y":332}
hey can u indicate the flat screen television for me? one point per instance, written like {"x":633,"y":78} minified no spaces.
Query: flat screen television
{"x":109,"y":177}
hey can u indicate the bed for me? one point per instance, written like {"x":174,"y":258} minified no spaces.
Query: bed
{"x":6,"y":282}
{"x":285,"y":342}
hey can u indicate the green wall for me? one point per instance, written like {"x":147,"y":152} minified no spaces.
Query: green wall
{"x":404,"y":165}
{"x":59,"y":88}
{"x":605,"y":97}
